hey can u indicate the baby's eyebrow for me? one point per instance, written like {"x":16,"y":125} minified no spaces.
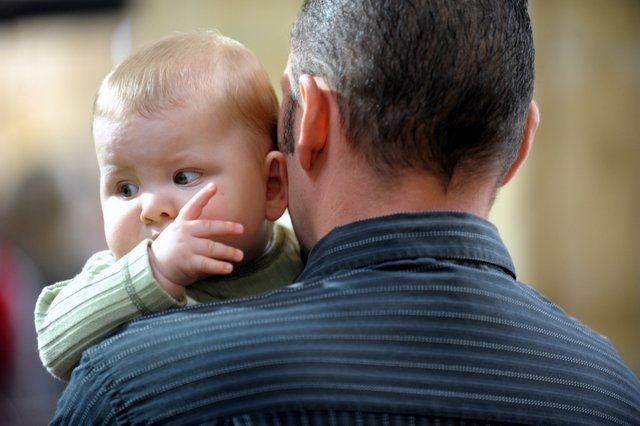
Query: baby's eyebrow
{"x":110,"y":170}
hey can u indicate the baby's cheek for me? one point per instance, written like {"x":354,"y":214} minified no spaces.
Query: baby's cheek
{"x":121,"y":233}
{"x":219,"y":208}
{"x":116,"y":240}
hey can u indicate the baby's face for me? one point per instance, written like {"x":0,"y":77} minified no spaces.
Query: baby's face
{"x":150,"y":167}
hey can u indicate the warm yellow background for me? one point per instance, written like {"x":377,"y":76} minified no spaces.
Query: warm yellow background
{"x":571,"y":218}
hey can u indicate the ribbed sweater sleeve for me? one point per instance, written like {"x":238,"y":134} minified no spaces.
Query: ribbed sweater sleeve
{"x":72,"y":315}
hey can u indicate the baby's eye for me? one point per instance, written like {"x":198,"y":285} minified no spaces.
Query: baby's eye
{"x":185,"y":178}
{"x":128,"y":190}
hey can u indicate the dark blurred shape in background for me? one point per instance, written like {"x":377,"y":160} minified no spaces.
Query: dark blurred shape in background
{"x":12,"y":9}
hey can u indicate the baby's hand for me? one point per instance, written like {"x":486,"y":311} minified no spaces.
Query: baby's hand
{"x":185,"y":251}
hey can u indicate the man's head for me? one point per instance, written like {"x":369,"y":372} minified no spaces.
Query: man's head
{"x":181,"y":112}
{"x":433,"y":85}
{"x":431,"y":98}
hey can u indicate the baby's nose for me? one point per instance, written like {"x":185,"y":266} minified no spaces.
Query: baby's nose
{"x":157,"y":208}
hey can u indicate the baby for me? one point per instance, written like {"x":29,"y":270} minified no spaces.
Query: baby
{"x":190,"y":187}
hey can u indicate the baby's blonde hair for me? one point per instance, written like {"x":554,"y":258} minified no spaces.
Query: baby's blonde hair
{"x":190,"y":67}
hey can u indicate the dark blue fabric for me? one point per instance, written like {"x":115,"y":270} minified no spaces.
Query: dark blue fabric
{"x":407,"y":319}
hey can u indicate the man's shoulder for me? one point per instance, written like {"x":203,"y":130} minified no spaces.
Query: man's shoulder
{"x":364,"y":340}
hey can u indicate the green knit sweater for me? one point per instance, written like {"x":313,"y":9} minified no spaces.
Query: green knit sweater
{"x":72,"y":315}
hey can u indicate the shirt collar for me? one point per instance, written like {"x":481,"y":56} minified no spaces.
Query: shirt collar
{"x":456,"y":236}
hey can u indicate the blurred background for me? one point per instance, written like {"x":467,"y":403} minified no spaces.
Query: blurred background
{"x":571,"y":218}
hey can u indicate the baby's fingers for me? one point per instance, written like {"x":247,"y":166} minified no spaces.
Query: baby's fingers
{"x":215,"y":228}
{"x":220,"y":251}
{"x":208,"y":266}
{"x":193,"y":208}
{"x":215,"y":258}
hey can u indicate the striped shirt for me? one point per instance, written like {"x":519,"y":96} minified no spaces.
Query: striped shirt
{"x":406,"y":319}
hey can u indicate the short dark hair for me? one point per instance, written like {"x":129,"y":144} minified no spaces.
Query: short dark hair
{"x":422,"y":84}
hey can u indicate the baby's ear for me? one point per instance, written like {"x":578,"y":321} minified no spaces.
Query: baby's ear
{"x":276,"y":196}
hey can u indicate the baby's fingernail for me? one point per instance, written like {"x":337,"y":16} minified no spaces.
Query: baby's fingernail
{"x":238,"y":255}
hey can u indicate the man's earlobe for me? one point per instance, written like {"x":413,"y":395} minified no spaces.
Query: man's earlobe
{"x":533,"y":119}
{"x":276,"y":188}
{"x":314,"y":125}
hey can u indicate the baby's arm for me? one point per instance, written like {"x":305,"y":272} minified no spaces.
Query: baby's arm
{"x":72,"y":315}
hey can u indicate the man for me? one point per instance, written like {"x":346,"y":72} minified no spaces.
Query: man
{"x":400,"y":121}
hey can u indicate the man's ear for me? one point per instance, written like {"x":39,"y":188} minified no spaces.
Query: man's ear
{"x":533,"y":119}
{"x":276,"y":196}
{"x":314,"y":124}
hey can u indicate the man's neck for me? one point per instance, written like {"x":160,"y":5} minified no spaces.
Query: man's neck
{"x":360,"y":197}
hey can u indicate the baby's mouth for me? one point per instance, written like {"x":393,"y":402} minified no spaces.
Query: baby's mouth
{"x":154,"y":234}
